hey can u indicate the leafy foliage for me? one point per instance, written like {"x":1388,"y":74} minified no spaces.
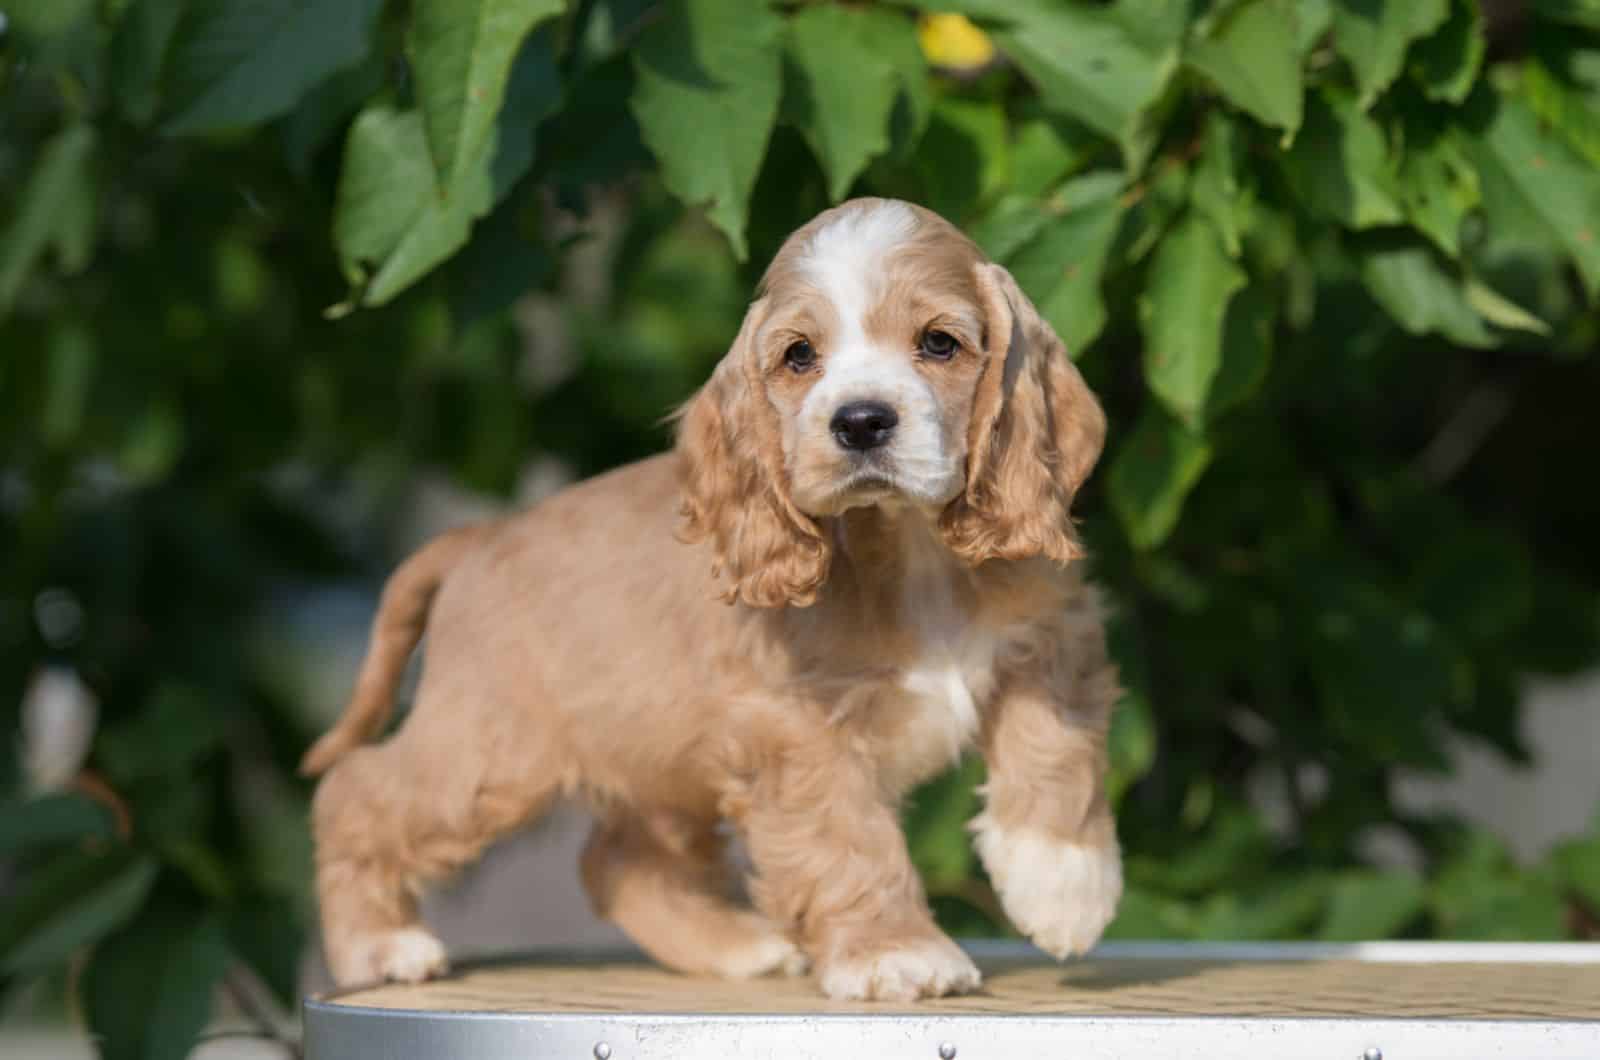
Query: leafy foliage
{"x":1332,"y":267}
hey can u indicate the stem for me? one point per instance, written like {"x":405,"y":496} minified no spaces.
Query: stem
{"x":267,"y":1026}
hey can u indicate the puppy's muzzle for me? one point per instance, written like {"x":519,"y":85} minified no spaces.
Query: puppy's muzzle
{"x":863,"y":425}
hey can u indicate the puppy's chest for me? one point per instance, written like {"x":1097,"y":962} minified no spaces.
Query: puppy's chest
{"x":939,"y":696}
{"x":926,"y":709}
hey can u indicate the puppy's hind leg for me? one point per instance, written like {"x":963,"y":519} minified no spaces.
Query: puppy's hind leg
{"x":664,"y":882}
{"x":390,"y":819}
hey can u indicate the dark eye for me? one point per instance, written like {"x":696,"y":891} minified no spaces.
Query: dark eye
{"x":800,"y":356}
{"x":939,"y":346}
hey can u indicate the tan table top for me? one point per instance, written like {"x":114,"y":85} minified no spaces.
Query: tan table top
{"x":1317,"y":986}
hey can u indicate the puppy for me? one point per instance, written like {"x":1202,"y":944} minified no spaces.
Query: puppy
{"x":858,"y":563}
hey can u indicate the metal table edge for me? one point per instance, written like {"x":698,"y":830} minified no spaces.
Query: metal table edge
{"x":339,"y":1030}
{"x":387,"y":1034}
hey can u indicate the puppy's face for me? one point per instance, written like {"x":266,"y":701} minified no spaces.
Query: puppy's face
{"x":870,"y":352}
{"x":885,"y":362}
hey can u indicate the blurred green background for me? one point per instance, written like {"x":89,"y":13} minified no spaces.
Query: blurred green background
{"x":283,"y":285}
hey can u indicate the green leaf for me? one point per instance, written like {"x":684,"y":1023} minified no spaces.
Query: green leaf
{"x":963,"y":157}
{"x":1578,"y":863}
{"x":1108,"y":66}
{"x":1251,"y":58}
{"x":1371,"y":905}
{"x":1565,"y":108}
{"x":1247,"y":335}
{"x":1235,"y":843}
{"x":55,"y":38}
{"x":59,"y":189}
{"x":1285,"y":907}
{"x":844,"y":88}
{"x":51,"y":820}
{"x":1157,"y":202}
{"x":72,"y":354}
{"x":1045,"y":150}
{"x":74,"y":240}
{"x":239,"y":62}
{"x":1143,"y":915}
{"x":40,"y":21}
{"x":384,"y":185}
{"x":1477,"y":583}
{"x":893,"y":37}
{"x":1313,"y":20}
{"x":268,"y":934}
{"x":73,"y":900}
{"x":533,"y":94}
{"x":1446,"y":65}
{"x":461,"y":54}
{"x":177,"y":727}
{"x":1408,"y":280}
{"x":1062,"y":267}
{"x":1479,"y":894}
{"x":1217,"y":192}
{"x":1373,"y":36}
{"x":500,"y":265}
{"x":1382,"y":670}
{"x":152,"y":442}
{"x":935,"y":823}
{"x":391,"y":212}
{"x":1340,"y":166}
{"x":1009,"y":225}
{"x":148,"y":989}
{"x":1130,"y":745}
{"x":1181,"y":313}
{"x":1438,"y":184}
{"x":1497,"y":309}
{"x":1153,"y":472}
{"x":139,"y":55}
{"x":1574,"y":12}
{"x":706,"y":97}
{"x":329,"y":106}
{"x":1538,"y":176}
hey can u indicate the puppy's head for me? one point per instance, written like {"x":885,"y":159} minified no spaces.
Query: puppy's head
{"x":884,"y":362}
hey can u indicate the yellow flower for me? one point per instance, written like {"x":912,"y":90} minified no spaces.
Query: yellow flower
{"x":952,"y":41}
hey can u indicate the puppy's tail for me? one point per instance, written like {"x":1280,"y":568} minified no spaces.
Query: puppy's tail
{"x":402,"y":616}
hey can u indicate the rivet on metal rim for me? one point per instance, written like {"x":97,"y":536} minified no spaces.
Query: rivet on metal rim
{"x":1372,"y":1053}
{"x":947,"y":1051}
{"x":602,"y":1051}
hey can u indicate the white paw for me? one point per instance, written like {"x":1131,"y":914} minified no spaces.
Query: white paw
{"x":1061,"y":895}
{"x":763,"y":956}
{"x":925,"y":968}
{"x":796,"y":965}
{"x":406,"y":955}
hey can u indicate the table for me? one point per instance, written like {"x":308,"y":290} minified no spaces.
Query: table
{"x":1364,"y":1001}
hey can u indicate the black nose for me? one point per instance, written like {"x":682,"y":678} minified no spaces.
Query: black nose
{"x":864,"y":424}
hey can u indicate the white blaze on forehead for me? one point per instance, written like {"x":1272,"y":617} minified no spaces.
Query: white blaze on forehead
{"x":845,"y":258}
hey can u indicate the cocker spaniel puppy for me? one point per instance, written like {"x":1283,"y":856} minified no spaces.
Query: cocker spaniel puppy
{"x":858,"y":563}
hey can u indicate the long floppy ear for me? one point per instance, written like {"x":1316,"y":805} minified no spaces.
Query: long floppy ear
{"x":1035,"y":434}
{"x":735,"y":488}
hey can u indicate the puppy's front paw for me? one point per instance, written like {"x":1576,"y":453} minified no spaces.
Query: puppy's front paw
{"x":1061,"y":895}
{"x":904,"y":972}
{"x":405,"y":955}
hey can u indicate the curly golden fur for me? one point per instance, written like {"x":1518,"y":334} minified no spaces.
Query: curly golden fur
{"x":780,"y":626}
